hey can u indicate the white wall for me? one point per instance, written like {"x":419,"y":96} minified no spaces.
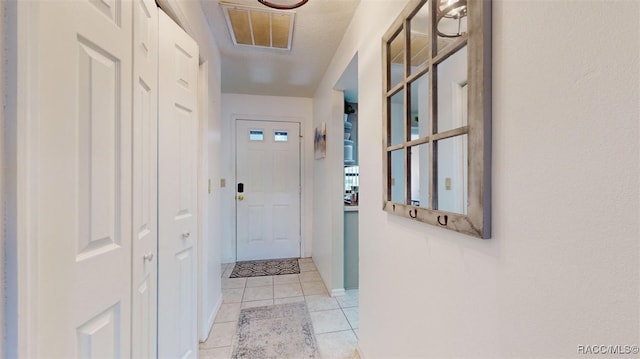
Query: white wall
{"x":561,"y":268}
{"x":189,"y":15}
{"x":268,"y":108}
{"x":328,"y":187}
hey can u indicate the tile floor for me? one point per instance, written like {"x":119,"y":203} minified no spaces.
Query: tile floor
{"x":335,"y":319}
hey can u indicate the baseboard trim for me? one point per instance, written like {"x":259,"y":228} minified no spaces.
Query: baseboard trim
{"x":337,"y":292}
{"x":211,"y":319}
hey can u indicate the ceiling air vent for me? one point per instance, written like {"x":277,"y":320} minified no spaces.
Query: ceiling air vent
{"x":256,"y":27}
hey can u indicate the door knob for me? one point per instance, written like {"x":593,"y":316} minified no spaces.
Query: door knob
{"x":240,"y":197}
{"x":148,"y":257}
{"x":186,"y":235}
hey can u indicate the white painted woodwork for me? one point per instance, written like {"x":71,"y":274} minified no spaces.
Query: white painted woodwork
{"x":177,"y":191}
{"x":145,"y":180}
{"x":82,"y":179}
{"x":268,"y":216}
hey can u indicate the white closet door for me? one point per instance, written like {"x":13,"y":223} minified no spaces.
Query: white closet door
{"x":177,"y":192}
{"x":145,"y":180}
{"x":82,"y":182}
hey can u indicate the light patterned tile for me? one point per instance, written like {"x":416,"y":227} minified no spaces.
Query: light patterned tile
{"x":338,"y":345}
{"x":285,"y":279}
{"x":321,"y":302}
{"x":215,"y":353}
{"x":259,"y":281}
{"x":288,"y":300}
{"x":310,"y":277}
{"x":353,"y":316}
{"x":307,"y":267}
{"x":350,"y":299}
{"x":221,"y":335}
{"x":229,"y":312}
{"x":256,"y":303}
{"x":232,"y":295}
{"x":327,"y":321}
{"x":257,"y":293}
{"x":233,"y":283}
{"x":287,"y":290}
{"x":313,"y":288}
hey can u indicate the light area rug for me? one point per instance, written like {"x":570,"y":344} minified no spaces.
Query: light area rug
{"x":276,"y":331}
{"x":265,"y":268}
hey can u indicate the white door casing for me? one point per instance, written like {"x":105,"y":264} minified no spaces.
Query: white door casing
{"x":145,"y":180}
{"x":177,"y":192}
{"x":268,"y":210}
{"x":82,"y":179}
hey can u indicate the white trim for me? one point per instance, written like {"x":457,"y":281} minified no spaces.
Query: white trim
{"x":202,"y":192}
{"x":23,"y":118}
{"x":3,"y":153}
{"x":303,"y":205}
{"x":208,"y":325}
{"x":338,"y":292}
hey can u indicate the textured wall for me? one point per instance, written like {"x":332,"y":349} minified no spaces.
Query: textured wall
{"x":561,"y":269}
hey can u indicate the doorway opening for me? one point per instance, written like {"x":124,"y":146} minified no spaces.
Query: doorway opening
{"x":348,"y":84}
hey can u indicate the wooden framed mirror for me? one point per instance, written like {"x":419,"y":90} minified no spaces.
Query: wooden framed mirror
{"x":437,"y":115}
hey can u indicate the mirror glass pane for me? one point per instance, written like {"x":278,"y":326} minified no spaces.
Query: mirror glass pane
{"x":397,"y":118}
{"x":452,"y":92}
{"x":420,"y":107}
{"x":396,"y":60}
{"x":419,"y":41}
{"x":397,"y":176}
{"x":452,"y":174}
{"x":420,"y":176}
{"x":452,"y":22}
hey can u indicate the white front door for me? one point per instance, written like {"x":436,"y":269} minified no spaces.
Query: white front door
{"x":177,"y":192}
{"x":268,"y":189}
{"x":145,"y":180}
{"x":82,"y":182}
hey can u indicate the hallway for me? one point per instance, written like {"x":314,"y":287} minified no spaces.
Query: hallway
{"x":335,"y":320}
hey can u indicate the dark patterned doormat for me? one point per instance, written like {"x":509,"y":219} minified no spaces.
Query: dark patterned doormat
{"x":265,"y":267}
{"x":275,"y":331}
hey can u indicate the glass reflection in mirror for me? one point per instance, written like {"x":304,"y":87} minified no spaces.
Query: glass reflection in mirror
{"x":452,"y":174}
{"x":420,"y":176}
{"x":396,"y":107}
{"x":396,"y":60}
{"x":397,"y":176}
{"x":452,"y":92}
{"x":451,"y":22}
{"x":420,"y":107}
{"x":419,"y":41}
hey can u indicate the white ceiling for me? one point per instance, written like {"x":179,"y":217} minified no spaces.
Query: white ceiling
{"x":319,"y":26}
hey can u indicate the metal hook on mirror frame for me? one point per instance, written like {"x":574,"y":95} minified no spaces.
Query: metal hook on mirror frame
{"x":446,"y":219}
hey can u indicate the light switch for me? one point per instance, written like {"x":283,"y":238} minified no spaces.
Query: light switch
{"x":209,"y":185}
{"x":223,"y":183}
{"x":447,"y":183}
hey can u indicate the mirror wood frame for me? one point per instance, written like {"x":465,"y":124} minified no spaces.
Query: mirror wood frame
{"x":477,"y":221}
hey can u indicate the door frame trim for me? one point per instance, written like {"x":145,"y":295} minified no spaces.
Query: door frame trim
{"x":22,"y":118}
{"x":303,"y":198}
